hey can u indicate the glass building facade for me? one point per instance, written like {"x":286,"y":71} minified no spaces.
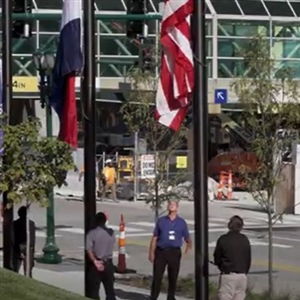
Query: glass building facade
{"x":229,"y":25}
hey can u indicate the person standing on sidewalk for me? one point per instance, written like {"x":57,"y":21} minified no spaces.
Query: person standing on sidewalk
{"x":165,"y":249}
{"x":99,"y":247}
{"x":20,"y":254}
{"x":232,"y":256}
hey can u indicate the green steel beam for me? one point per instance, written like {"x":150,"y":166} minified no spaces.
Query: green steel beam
{"x":116,"y":61}
{"x":123,"y":61}
{"x":57,"y":16}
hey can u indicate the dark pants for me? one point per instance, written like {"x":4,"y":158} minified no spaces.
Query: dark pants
{"x":20,"y":256}
{"x":165,"y":257}
{"x":106,"y":277}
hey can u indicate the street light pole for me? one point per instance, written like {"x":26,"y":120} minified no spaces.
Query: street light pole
{"x":6,"y":98}
{"x":200,"y":140}
{"x":88,"y":94}
{"x":44,"y":64}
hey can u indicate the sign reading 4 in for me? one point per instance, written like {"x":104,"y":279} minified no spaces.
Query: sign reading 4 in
{"x":25,"y":84}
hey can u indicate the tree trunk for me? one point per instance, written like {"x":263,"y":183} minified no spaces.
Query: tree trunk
{"x":27,"y":263}
{"x":270,"y":252}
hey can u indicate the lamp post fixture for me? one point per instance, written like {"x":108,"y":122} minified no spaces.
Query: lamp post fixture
{"x":44,"y":63}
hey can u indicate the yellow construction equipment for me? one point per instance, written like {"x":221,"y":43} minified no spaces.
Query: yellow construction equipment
{"x":125,"y":169}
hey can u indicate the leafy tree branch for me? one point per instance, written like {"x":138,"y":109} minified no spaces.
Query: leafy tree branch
{"x":270,"y":96}
{"x":33,"y":164}
{"x":138,"y":115}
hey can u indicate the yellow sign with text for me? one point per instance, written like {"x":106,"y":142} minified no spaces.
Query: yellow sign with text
{"x":25,"y":84}
{"x":181,"y":162}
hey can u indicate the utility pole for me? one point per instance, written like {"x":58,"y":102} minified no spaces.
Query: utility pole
{"x":88,"y":94}
{"x":200,"y":151}
{"x":6,"y":100}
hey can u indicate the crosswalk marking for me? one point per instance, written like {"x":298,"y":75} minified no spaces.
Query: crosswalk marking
{"x":210,"y":224}
{"x":114,"y":227}
{"x":115,"y":254}
{"x":249,"y":223}
{"x":151,"y":225}
{"x":43,"y":234}
{"x":72,"y":230}
{"x":144,"y":228}
{"x":221,"y":220}
{"x":127,"y":229}
{"x":145,"y":224}
{"x":254,"y":242}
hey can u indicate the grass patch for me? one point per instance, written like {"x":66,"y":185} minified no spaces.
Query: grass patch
{"x":186,"y":286}
{"x":17,"y":287}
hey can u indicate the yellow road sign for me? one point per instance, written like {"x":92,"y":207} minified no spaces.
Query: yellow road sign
{"x":25,"y":84}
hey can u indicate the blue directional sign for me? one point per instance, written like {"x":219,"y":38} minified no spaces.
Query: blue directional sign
{"x":221,"y":96}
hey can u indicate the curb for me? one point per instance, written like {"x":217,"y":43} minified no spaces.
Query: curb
{"x":80,"y":199}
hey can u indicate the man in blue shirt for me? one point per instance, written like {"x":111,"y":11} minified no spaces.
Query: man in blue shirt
{"x":165,"y":249}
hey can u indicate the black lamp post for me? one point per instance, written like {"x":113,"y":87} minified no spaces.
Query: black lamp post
{"x":44,"y":63}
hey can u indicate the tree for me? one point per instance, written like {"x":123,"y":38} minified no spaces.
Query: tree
{"x":138,"y":115}
{"x":33,"y":164}
{"x":271,"y":101}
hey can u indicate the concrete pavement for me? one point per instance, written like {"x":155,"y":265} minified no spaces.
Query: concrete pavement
{"x":139,"y":225}
{"x":74,"y":282}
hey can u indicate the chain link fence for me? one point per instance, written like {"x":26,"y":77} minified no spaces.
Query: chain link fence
{"x":137,"y":172}
{"x":170,"y":170}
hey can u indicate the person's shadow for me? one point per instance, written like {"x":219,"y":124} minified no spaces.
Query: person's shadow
{"x":131,"y":295}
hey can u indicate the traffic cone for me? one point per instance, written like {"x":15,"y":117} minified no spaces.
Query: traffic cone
{"x":220,"y":188}
{"x":229,"y":189}
{"x":121,"y":268}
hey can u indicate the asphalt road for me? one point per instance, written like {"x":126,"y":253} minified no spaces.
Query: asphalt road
{"x":139,"y":221}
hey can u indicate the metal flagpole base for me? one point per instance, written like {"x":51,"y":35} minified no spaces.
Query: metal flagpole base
{"x":51,"y":255}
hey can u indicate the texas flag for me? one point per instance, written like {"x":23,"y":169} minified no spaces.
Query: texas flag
{"x":68,"y":62}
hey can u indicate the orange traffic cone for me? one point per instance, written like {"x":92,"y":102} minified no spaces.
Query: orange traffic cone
{"x":121,"y":268}
{"x":229,"y":189}
{"x":220,"y":187}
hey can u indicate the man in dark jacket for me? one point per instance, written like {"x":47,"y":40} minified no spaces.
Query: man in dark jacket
{"x":233,"y":258}
{"x":20,"y":240}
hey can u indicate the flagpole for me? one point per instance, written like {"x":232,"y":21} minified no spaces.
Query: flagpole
{"x":88,"y":95}
{"x":6,"y":98}
{"x":200,"y":151}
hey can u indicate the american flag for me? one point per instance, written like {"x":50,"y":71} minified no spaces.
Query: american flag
{"x":177,"y":68}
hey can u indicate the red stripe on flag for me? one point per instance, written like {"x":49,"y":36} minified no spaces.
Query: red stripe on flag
{"x":177,"y":69}
{"x":68,"y":121}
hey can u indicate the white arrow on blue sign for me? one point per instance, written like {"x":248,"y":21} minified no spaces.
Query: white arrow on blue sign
{"x":221,"y":96}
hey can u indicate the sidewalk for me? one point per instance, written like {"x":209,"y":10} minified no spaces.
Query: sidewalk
{"x":246,"y":202}
{"x":74,"y":282}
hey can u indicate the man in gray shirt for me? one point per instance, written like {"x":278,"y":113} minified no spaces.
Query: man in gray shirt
{"x":99,"y":247}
